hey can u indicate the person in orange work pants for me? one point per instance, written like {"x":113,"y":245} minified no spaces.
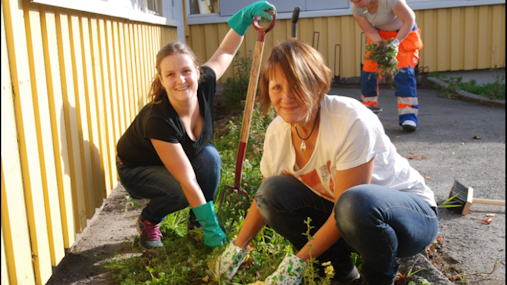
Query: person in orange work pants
{"x":406,"y":84}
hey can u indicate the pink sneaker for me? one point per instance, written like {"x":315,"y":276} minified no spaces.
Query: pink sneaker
{"x":150,"y":234}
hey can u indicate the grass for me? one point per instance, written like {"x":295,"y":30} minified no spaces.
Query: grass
{"x":492,"y":90}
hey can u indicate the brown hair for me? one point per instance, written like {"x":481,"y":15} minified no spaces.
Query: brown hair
{"x":171,"y":48}
{"x":305,"y":70}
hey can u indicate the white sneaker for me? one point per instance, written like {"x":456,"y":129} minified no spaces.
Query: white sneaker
{"x":409,"y":125}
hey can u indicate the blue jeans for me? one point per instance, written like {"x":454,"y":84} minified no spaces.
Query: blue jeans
{"x":377,"y":222}
{"x":165,"y":193}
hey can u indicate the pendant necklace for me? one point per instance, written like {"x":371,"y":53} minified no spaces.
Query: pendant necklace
{"x":303,"y":145}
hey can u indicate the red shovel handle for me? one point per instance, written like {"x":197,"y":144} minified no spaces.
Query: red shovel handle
{"x":249,"y":104}
{"x":263,"y":31}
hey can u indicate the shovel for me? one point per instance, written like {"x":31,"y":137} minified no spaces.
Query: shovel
{"x":249,"y":104}
{"x":295,"y":18}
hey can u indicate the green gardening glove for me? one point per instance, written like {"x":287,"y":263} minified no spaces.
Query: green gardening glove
{"x":207,"y":217}
{"x":240,"y":21}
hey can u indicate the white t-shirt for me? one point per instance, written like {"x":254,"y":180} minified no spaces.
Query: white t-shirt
{"x":349,"y":135}
{"x":384,"y":18}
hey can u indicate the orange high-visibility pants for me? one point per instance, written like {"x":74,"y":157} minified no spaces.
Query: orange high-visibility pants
{"x":406,"y":83}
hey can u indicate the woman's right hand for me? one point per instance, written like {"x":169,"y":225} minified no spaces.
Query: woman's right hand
{"x":240,"y":21}
{"x":231,"y":259}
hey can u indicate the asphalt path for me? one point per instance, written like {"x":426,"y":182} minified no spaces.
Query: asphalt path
{"x":456,"y":141}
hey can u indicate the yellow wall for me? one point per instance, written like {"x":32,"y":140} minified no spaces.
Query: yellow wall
{"x":461,"y":38}
{"x":71,"y":84}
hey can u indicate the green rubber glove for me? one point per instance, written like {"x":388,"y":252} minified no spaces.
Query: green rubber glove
{"x":207,"y":217}
{"x":240,"y":21}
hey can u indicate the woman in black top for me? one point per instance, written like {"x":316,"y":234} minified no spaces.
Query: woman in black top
{"x":165,"y":154}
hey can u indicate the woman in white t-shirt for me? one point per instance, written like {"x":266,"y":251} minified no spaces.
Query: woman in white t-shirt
{"x":328,"y":158}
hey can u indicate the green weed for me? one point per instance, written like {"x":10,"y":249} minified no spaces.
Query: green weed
{"x":385,"y":56}
{"x":236,"y":87}
{"x":492,"y":90}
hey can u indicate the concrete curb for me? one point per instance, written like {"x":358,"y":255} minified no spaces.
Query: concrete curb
{"x":471,"y":96}
{"x":428,"y":272}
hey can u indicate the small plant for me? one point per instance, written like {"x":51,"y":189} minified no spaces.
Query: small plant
{"x":129,"y":203}
{"x":449,"y":203}
{"x":310,"y":272}
{"x":492,"y":90}
{"x":384,"y":54}
{"x":461,"y":277}
{"x":236,"y":87}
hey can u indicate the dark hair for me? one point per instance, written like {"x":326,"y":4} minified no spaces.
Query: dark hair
{"x":171,"y":48}
{"x":305,"y":70}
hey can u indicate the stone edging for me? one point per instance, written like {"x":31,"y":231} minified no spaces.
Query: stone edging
{"x":470,"y":96}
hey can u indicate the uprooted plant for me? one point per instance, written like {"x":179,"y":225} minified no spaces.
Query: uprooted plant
{"x":384,"y":54}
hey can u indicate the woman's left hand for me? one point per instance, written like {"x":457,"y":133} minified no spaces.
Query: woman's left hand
{"x":289,"y":272}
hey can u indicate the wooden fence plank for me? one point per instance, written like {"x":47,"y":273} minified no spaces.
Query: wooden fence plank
{"x":113,"y":84}
{"x":484,"y":23}
{"x":498,"y":43}
{"x":99,"y":101}
{"x":97,"y":177}
{"x":457,"y":35}
{"x":55,"y":97}
{"x":44,"y":137}
{"x":15,"y":16}
{"x":74,"y":168}
{"x":4,"y":274}
{"x":120,"y":92}
{"x":15,"y":233}
{"x":110,"y":141}
{"x":81,"y":111}
{"x":125,"y":95}
{"x":470,"y":38}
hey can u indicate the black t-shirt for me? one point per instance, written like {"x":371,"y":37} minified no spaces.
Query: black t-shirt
{"x":161,"y":122}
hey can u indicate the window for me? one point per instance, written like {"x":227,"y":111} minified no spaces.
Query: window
{"x":203,"y":6}
{"x":153,"y":7}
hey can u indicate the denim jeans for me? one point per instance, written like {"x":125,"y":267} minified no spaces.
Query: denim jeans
{"x":165,"y":193}
{"x":377,"y":222}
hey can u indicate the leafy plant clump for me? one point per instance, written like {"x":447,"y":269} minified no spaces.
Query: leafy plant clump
{"x":236,"y":87}
{"x":384,"y":54}
{"x":492,"y":90}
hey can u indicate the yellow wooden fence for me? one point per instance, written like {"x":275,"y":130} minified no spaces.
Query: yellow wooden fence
{"x":71,"y":84}
{"x":459,"y":38}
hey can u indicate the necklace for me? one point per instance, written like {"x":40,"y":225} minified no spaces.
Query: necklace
{"x":303,"y":145}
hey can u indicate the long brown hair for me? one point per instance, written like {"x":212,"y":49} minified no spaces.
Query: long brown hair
{"x":171,"y":48}
{"x":305,"y":70}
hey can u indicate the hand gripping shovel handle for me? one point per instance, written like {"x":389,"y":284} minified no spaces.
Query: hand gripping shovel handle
{"x":249,"y":104}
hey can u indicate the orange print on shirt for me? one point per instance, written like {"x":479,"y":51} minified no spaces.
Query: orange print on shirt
{"x":312,"y":180}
